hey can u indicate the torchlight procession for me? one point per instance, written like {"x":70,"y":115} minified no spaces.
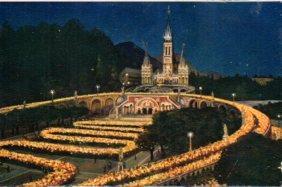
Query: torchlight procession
{"x":153,"y":173}
{"x":81,"y":104}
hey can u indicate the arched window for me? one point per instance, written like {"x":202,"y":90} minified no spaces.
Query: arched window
{"x":162,"y":107}
{"x":144,"y":111}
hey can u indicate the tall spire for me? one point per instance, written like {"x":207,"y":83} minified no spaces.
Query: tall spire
{"x":145,"y":48}
{"x":182,"y":51}
{"x":167,"y":33}
{"x":146,"y":56}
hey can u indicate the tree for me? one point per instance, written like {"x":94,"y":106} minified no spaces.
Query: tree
{"x":169,"y":129}
{"x":35,"y":59}
{"x":145,"y":143}
{"x":252,"y":161}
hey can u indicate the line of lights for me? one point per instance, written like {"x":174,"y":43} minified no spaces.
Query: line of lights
{"x":166,"y":168}
{"x":160,"y":171}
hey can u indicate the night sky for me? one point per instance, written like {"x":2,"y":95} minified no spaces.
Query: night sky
{"x":228,"y":38}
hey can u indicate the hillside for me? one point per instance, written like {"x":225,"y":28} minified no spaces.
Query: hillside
{"x":132,"y":56}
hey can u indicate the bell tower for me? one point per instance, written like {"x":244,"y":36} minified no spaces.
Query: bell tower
{"x":168,"y":48}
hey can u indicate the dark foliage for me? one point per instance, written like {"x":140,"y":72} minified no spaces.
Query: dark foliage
{"x":244,"y":87}
{"x":35,"y":59}
{"x":252,"y":161}
{"x":271,"y":109}
{"x":30,"y":118}
{"x":132,"y":56}
{"x":169,"y":129}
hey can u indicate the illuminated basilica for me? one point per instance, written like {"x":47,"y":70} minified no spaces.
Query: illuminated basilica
{"x":168,"y":75}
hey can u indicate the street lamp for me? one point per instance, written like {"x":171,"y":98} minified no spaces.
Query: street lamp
{"x":97,"y":88}
{"x":212,"y":94}
{"x":126,"y":77}
{"x":122,"y":88}
{"x":190,"y":136}
{"x":279,"y":116}
{"x":24,"y":104}
{"x":201,"y":89}
{"x":52,"y":92}
{"x":75,"y":95}
{"x":233,"y":96}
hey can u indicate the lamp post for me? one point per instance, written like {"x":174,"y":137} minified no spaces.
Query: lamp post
{"x":201,"y":89}
{"x":124,"y":84}
{"x":279,"y":118}
{"x":122,"y":88}
{"x":125,"y":80}
{"x":92,"y":69}
{"x":233,"y":96}
{"x":52,"y":92}
{"x":190,"y":136}
{"x":212,"y":95}
{"x":97,"y":88}
{"x":75,"y":96}
{"x":24,"y":104}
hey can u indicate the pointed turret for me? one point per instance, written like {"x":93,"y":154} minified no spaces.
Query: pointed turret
{"x":146,"y":69}
{"x":182,"y":60}
{"x":146,"y":60}
{"x":183,"y":69}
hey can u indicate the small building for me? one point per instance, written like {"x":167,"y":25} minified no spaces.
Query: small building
{"x":130,"y":76}
{"x":263,"y":81}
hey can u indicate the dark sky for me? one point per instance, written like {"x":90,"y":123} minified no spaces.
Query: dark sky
{"x":229,"y":38}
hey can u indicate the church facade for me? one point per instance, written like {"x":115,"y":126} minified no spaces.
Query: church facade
{"x":168,"y":75}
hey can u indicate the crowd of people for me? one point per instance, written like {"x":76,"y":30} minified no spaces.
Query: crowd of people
{"x":115,"y":122}
{"x":117,"y":134}
{"x":61,"y":173}
{"x":142,"y":175}
{"x":108,"y":137}
{"x":113,"y":128}
{"x":276,"y":133}
{"x":177,"y":171}
{"x":172,"y":166}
